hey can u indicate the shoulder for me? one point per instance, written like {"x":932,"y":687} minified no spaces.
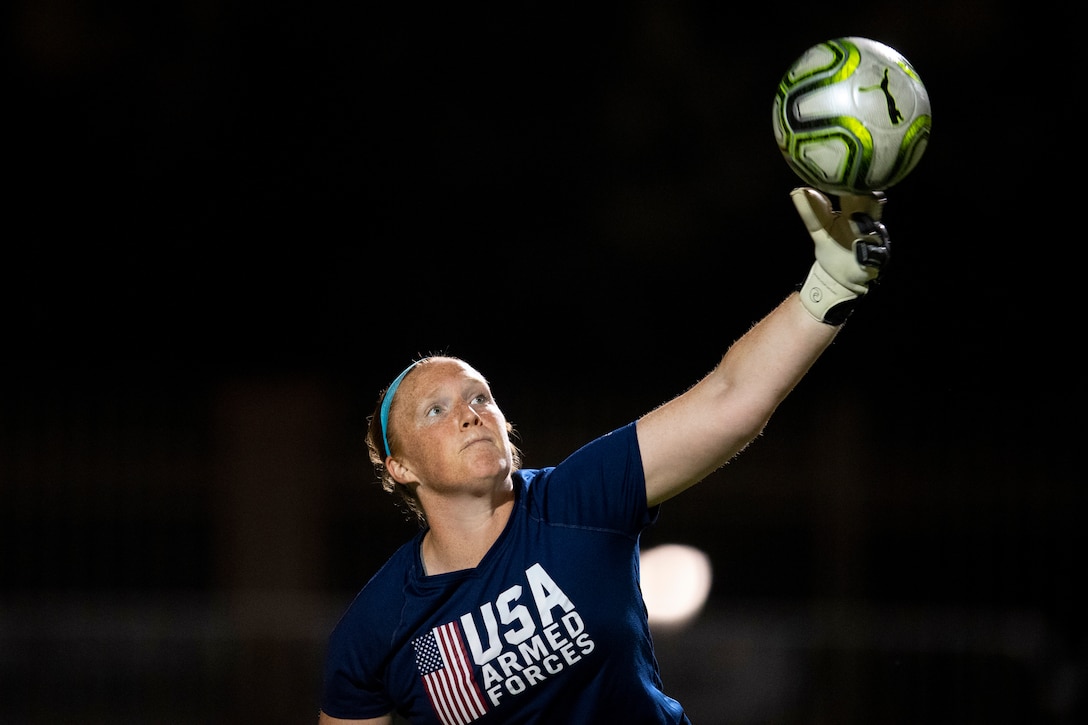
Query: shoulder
{"x":617,"y":448}
{"x":607,"y":455}
{"x":602,"y":483}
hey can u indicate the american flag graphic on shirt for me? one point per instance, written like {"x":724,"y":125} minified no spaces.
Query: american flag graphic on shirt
{"x":444,"y":665}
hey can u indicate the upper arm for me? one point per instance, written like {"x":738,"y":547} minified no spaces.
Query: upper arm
{"x":324,"y":719}
{"x":688,"y":438}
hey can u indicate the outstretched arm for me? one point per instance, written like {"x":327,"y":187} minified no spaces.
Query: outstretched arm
{"x":696,"y":433}
{"x":699,"y":431}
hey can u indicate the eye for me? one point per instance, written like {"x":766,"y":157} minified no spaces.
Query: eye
{"x":434,"y":410}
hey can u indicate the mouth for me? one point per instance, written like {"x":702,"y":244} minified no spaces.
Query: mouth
{"x":474,"y":441}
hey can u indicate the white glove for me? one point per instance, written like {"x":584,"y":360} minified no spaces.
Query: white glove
{"x":852,"y":248}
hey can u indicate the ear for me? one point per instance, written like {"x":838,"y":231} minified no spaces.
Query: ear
{"x":400,"y":472}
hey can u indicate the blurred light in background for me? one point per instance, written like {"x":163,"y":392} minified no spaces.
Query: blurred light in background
{"x":675,"y":583}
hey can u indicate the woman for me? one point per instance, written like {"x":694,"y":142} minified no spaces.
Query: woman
{"x":518,"y":601}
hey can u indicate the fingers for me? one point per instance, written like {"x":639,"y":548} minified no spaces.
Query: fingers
{"x":874,"y":254}
{"x":873,"y":248}
{"x":851,"y":248}
{"x":871,"y":204}
{"x":814,"y":208}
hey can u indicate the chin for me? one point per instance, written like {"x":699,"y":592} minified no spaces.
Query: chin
{"x":495,"y":469}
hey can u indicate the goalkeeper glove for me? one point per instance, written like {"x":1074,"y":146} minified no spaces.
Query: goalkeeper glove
{"x":852,"y":249}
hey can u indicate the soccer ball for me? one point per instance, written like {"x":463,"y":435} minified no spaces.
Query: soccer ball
{"x":851,"y":116}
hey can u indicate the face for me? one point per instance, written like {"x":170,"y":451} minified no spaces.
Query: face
{"x":450,"y":435}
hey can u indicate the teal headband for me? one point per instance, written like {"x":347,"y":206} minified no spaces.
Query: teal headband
{"x":387,"y":402}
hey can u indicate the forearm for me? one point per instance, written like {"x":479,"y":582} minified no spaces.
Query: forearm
{"x":694,"y":434}
{"x":766,"y":363}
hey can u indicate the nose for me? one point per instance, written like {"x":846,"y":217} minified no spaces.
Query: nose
{"x":471,"y":417}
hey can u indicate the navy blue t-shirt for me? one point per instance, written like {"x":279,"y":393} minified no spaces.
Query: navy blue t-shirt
{"x":549,"y":628}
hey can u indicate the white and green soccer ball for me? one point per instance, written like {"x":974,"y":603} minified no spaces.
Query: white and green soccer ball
{"x":851,"y":116}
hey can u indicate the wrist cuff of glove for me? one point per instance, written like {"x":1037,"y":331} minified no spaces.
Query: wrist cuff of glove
{"x":825,"y":299}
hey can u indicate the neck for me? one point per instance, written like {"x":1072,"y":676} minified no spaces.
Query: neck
{"x":460,"y":541}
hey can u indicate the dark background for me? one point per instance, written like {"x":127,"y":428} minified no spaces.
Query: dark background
{"x":230,"y":224}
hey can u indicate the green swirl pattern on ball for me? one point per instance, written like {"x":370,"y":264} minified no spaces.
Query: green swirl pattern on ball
{"x":802,"y":139}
